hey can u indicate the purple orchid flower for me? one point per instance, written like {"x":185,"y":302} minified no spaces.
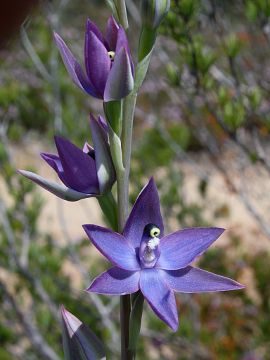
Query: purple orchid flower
{"x":155,"y":264}
{"x":108,"y":63}
{"x":84,"y":172}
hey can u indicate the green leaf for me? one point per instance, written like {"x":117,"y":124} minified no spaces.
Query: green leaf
{"x":135,"y":320}
{"x":141,"y":71}
{"x":108,"y":206}
{"x":113,"y":112}
{"x":112,"y":6}
{"x":147,"y":41}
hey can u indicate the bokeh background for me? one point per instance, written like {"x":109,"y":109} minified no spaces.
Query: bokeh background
{"x":202,"y":129}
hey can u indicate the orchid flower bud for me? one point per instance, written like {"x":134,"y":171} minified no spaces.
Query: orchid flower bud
{"x":79,"y":341}
{"x":153,"y":12}
{"x":83,"y":172}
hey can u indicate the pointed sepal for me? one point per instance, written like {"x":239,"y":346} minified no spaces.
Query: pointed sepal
{"x":120,"y":80}
{"x":59,"y":190}
{"x":79,"y":341}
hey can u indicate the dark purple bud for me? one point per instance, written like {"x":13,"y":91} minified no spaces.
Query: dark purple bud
{"x":79,"y":341}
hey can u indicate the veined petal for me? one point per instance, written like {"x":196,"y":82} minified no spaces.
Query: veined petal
{"x":120,"y":80}
{"x":116,"y":281}
{"x":180,"y":248}
{"x":122,"y":41}
{"x":86,"y":84}
{"x":194,"y":280}
{"x":80,"y":171}
{"x":160,"y":297}
{"x":111,"y":33}
{"x":61,"y":191}
{"x":113,"y":246}
{"x":146,"y":210}
{"x":97,"y":62}
{"x":72,"y":65}
{"x":55,"y":163}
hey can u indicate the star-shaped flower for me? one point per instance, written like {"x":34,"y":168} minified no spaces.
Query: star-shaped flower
{"x":84,"y":172}
{"x":155,"y":264}
{"x":108,"y":63}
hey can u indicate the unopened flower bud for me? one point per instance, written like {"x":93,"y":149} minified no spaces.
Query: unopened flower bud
{"x":153,"y":12}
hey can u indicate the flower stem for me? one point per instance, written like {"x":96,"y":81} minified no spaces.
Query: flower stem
{"x":121,"y":154}
{"x":125,"y":309}
{"x":109,"y":209}
{"x":128,"y":116}
{"x":123,"y":205}
{"x":122,"y":12}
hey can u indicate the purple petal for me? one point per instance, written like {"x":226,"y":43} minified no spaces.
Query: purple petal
{"x":179,"y":249}
{"x":146,"y":210}
{"x":73,"y":67}
{"x":103,"y":123}
{"x":194,"y":280}
{"x":122,"y":41}
{"x":116,"y":281}
{"x":88,"y":149}
{"x":79,"y":168}
{"x":120,"y":81}
{"x":160,"y":297}
{"x":86,"y":84}
{"x":113,"y":246}
{"x":111,"y":33}
{"x":92,"y":27}
{"x":97,"y":62}
{"x":53,"y":161}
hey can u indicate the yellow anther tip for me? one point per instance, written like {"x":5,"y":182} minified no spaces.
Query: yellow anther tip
{"x":154,"y":232}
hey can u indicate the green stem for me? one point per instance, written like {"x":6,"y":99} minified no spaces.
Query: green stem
{"x":125,"y":309}
{"x":123,"y":205}
{"x":122,"y":12}
{"x":128,"y":116}
{"x":109,"y":208}
{"x":121,"y":155}
{"x":137,"y":301}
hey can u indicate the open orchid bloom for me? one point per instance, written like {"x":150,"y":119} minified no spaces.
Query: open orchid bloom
{"x":85,"y":172}
{"x":157,"y":265}
{"x":108,"y":63}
